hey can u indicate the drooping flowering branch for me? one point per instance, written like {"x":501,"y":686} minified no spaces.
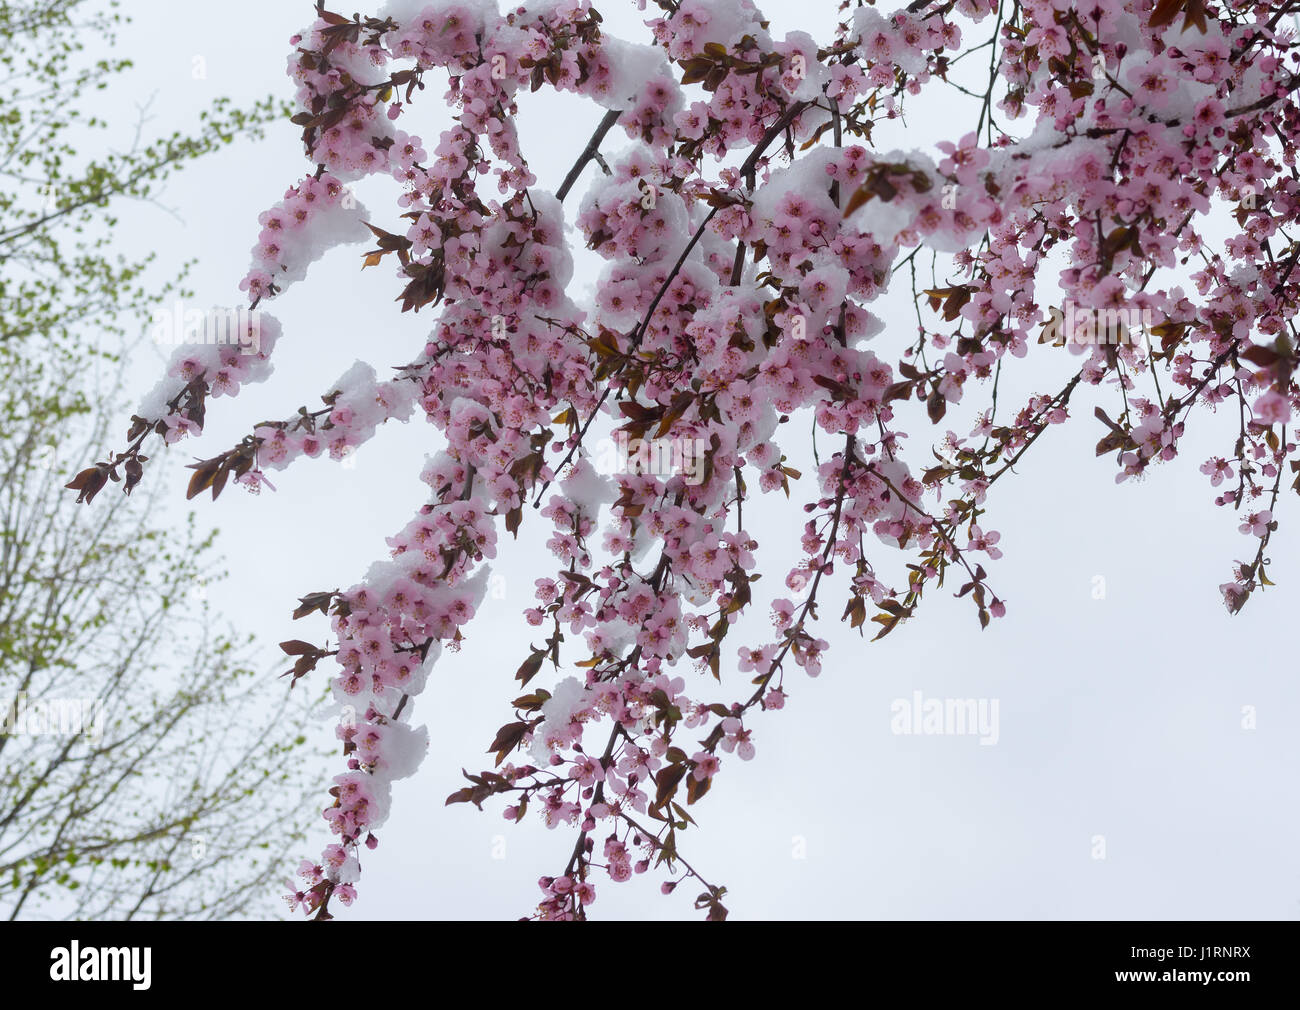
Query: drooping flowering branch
{"x":745,"y":230}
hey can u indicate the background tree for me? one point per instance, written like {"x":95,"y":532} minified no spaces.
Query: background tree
{"x":183,"y":790}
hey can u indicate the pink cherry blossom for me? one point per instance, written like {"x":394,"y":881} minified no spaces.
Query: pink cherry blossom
{"x":1113,"y":229}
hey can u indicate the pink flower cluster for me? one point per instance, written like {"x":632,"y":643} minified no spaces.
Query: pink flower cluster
{"x":732,"y":298}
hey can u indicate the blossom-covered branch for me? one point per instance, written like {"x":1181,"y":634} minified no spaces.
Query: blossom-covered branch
{"x":751,"y":218}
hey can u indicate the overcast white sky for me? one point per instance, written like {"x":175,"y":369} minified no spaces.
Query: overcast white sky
{"x":1118,"y":717}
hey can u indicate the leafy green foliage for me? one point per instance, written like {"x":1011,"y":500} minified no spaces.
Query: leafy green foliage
{"x":186,"y":796}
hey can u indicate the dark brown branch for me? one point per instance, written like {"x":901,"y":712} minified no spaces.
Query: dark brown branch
{"x":589,"y":152}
